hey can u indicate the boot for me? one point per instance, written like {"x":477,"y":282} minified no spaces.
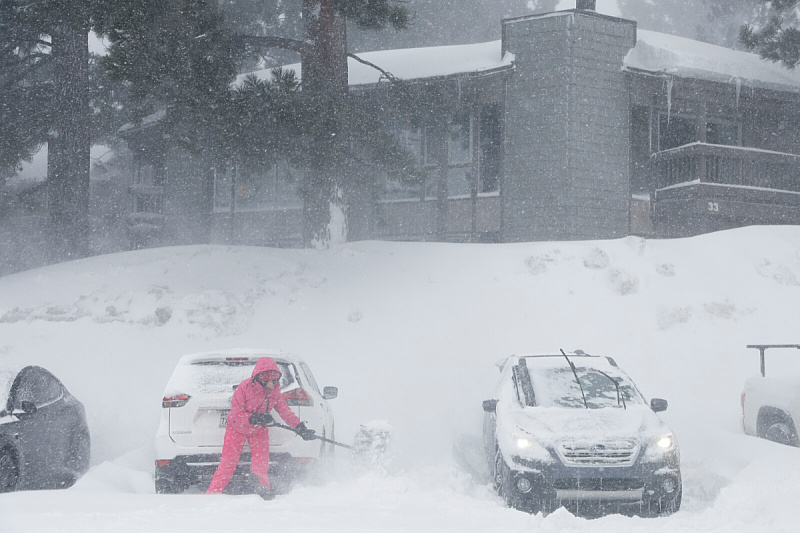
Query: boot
{"x":264,"y":492}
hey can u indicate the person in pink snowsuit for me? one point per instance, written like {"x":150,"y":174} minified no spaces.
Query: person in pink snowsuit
{"x":251,"y":404}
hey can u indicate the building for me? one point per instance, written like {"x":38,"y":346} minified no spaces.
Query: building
{"x":573,"y":126}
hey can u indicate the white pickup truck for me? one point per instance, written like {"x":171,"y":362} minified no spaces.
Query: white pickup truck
{"x":771,"y":405}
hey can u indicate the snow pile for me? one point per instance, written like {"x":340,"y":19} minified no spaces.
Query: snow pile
{"x":410,"y":333}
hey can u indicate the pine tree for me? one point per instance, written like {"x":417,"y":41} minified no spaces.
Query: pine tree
{"x":181,"y":55}
{"x":775,"y":34}
{"x":44,"y":77}
{"x":325,"y":83}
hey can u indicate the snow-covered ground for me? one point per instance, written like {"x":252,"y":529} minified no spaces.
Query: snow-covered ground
{"x":409,"y":332}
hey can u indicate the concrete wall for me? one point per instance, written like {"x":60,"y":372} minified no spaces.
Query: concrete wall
{"x":567,"y":127}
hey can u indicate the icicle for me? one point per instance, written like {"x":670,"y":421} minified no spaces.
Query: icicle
{"x":670,"y":82}
{"x":738,"y":91}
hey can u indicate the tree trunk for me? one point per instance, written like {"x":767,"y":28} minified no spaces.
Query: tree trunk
{"x":68,"y":148}
{"x":324,"y":75}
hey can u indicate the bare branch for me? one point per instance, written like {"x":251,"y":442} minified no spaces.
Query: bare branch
{"x":388,"y":75}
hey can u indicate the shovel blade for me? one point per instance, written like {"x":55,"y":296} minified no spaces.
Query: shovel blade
{"x":372,"y":444}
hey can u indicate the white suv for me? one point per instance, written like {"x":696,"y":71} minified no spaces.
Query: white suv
{"x":196,"y":404}
{"x":771,"y":405}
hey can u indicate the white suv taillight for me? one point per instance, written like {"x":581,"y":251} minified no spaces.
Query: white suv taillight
{"x":178,"y":400}
{"x":298,"y":397}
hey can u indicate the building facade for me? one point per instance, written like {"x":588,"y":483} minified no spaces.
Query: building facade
{"x":574,"y":126}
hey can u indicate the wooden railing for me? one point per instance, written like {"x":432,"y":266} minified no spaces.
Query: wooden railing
{"x":727,"y":165}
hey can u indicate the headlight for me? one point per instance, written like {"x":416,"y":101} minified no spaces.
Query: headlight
{"x":661,"y":445}
{"x":528,"y":447}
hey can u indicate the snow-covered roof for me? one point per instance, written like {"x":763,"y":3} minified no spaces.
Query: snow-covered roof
{"x":654,"y":52}
{"x":418,"y":63}
{"x":669,"y":54}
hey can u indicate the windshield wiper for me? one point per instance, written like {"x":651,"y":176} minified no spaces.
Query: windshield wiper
{"x":575,"y":373}
{"x":619,"y":396}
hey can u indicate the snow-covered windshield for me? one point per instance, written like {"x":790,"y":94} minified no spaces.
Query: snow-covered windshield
{"x":215,"y":376}
{"x":7,"y":375}
{"x":557,"y":387}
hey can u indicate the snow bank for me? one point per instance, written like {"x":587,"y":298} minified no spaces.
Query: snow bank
{"x":410,"y":333}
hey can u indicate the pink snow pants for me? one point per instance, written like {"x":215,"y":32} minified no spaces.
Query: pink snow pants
{"x":232,"y":450}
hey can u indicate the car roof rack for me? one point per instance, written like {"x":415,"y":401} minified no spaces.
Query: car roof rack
{"x":763,"y":347}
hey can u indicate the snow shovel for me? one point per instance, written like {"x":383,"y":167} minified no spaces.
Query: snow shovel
{"x":371,"y":447}
{"x":317,"y":437}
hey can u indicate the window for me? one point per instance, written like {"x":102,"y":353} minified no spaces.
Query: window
{"x":674,"y":131}
{"x":562,"y":390}
{"x":310,"y":377}
{"x":460,"y":149}
{"x":246,"y":188}
{"x":678,"y":130}
{"x":722,"y":132}
{"x":221,"y":376}
{"x":491,"y":148}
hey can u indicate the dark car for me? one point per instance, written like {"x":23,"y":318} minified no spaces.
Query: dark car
{"x":44,"y":438}
{"x":572,"y":430}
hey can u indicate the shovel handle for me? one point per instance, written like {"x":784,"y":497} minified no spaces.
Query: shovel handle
{"x":317,"y":437}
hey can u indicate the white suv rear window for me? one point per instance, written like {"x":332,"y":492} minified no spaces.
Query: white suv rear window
{"x":218,"y":376}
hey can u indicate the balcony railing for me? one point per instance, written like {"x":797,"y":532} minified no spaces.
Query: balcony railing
{"x":727,"y":165}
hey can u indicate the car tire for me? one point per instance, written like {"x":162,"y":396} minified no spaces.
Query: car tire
{"x":9,"y":470}
{"x":169,"y":486}
{"x":77,"y":460}
{"x":503,"y":483}
{"x":171,"y":482}
{"x":781,"y":433}
{"x":662,"y":507}
{"x":778,"y":427}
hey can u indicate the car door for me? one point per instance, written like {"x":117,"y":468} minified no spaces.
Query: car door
{"x":43,"y":435}
{"x":490,"y":417}
{"x":327,"y":415}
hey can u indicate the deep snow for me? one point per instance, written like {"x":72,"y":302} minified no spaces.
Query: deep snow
{"x":410,"y":332}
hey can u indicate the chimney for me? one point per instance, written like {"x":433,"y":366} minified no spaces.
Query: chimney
{"x":586,"y":5}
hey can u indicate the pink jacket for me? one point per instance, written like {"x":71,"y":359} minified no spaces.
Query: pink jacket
{"x":250,"y":397}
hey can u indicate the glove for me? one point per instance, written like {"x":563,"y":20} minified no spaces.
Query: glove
{"x":304,"y":432}
{"x":261,"y":419}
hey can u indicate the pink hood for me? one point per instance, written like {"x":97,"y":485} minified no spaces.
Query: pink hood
{"x":263,"y":365}
{"x":251,"y":397}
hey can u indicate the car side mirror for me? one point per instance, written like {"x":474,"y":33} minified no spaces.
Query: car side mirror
{"x":329,"y":393}
{"x":490,"y":406}
{"x":26,"y":409}
{"x":658,"y":405}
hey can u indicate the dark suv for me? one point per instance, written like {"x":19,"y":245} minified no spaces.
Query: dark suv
{"x":572,"y":430}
